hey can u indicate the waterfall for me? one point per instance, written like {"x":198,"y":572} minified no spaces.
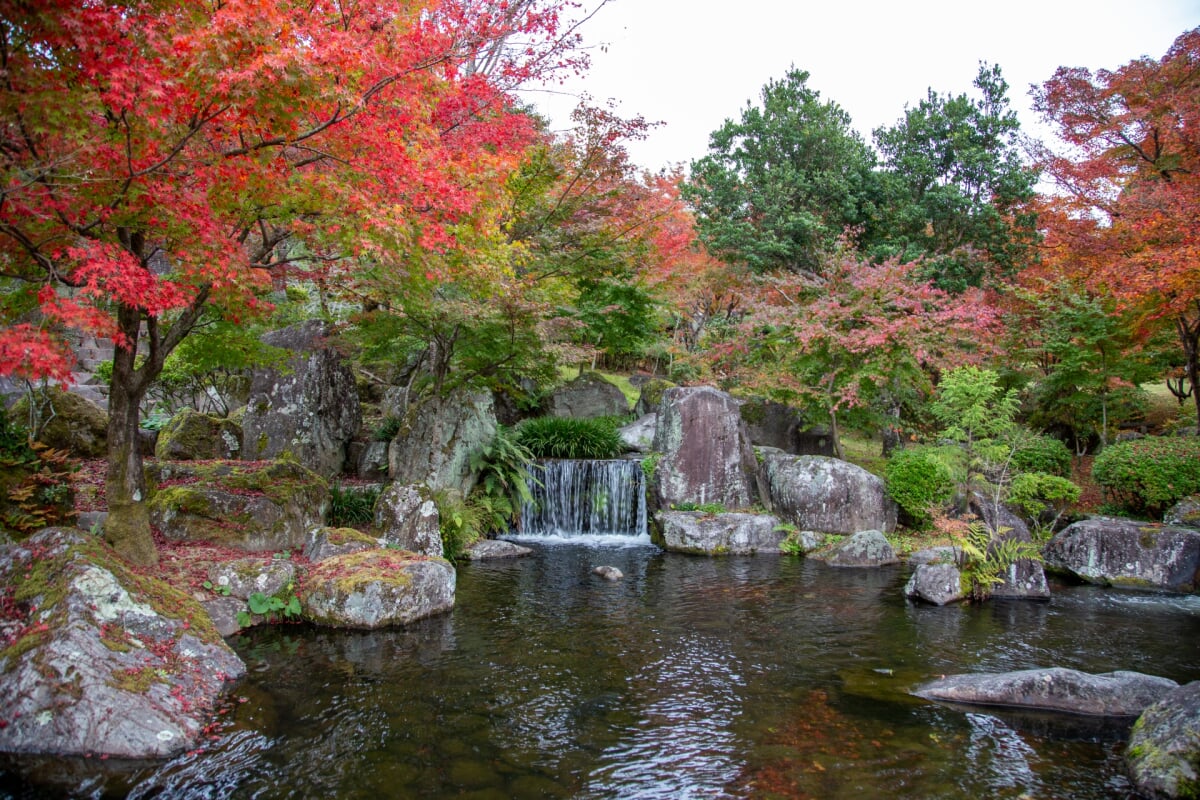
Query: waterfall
{"x":587,"y":498}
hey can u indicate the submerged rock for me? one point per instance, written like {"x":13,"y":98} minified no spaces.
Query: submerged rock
{"x":719,"y":534}
{"x":377,"y":588}
{"x":608,"y":573}
{"x":100,"y":660}
{"x":826,"y":494}
{"x":1111,"y":694}
{"x":1164,"y":746}
{"x":1127,"y":554}
{"x":863,"y":549}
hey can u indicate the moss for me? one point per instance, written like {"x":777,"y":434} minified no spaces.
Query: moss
{"x":1149,"y":538}
{"x":263,"y":440}
{"x":349,"y":572}
{"x":136,"y":681}
{"x":341,"y":536}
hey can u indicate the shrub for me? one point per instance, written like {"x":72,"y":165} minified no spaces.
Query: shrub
{"x":387,"y":429}
{"x":1043,"y":453}
{"x":1042,"y":498}
{"x":919,"y":480}
{"x":458,"y":522}
{"x":1148,"y":476}
{"x":564,"y":437}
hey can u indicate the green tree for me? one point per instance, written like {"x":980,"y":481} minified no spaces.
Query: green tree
{"x":781,"y":185}
{"x":954,"y":186}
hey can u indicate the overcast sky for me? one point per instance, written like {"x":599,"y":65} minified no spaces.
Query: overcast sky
{"x":693,"y":63}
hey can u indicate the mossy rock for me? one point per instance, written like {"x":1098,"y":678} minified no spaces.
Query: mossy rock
{"x":377,"y":588}
{"x":248,"y":506}
{"x":73,"y":423}
{"x":191,"y":435}
{"x":325,"y":543}
{"x":651,"y":396}
{"x":94,"y":636}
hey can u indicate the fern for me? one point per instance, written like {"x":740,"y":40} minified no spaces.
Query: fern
{"x":984,"y":557}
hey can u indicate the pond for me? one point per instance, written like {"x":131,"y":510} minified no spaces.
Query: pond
{"x":690,"y":678}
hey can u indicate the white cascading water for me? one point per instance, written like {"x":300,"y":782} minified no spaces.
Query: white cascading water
{"x":586,"y":499}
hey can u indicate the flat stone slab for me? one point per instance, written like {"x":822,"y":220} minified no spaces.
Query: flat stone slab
{"x":486,"y":549}
{"x":1110,"y":694}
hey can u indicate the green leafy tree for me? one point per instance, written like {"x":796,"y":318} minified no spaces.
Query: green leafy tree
{"x":781,"y":185}
{"x":954,"y":186}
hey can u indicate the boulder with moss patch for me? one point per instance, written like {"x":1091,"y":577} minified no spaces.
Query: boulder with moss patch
{"x":406,"y":517}
{"x":191,"y":435}
{"x":587,"y":397}
{"x":65,"y":421}
{"x":309,"y":409}
{"x":247,"y":506}
{"x":247,"y":576}
{"x":100,"y":660}
{"x":326,"y":543}
{"x":376,"y":589}
{"x":863,"y":549}
{"x":651,"y":396}
{"x":826,"y":494}
{"x":1164,"y":746}
{"x":1184,"y":514}
{"x":438,"y":436}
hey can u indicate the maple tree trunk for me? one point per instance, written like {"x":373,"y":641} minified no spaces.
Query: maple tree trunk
{"x":127,"y":527}
{"x":1189,"y":337}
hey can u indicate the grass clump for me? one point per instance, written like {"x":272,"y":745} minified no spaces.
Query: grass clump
{"x":351,"y":505}
{"x":564,"y":437}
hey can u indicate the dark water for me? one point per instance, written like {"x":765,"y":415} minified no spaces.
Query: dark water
{"x":691,"y":678}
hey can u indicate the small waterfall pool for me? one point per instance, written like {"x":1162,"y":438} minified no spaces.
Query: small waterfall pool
{"x":734,"y":677}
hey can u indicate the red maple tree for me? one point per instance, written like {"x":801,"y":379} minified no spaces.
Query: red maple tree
{"x":165,"y":157}
{"x":1127,"y":218}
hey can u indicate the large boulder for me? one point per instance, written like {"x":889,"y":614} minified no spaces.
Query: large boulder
{"x":1024,"y":579}
{"x":826,"y":494}
{"x":1128,"y":554}
{"x":863,"y":549}
{"x":377,"y":588}
{"x":783,"y":427}
{"x":1164,"y":746}
{"x":250,"y":507}
{"x":309,"y":408}
{"x":706,"y":451}
{"x":437,"y":438}
{"x":406,"y":517}
{"x":719,"y":534}
{"x":588,"y":396}
{"x":1111,"y":694}
{"x":66,"y":421}
{"x":100,"y":660}
{"x":191,"y":435}
{"x":935,"y":582}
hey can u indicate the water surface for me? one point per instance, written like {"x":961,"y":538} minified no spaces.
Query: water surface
{"x":691,"y":678}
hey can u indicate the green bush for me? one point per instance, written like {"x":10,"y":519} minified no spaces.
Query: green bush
{"x":1148,"y":476}
{"x":1043,"y":453}
{"x":564,"y":437}
{"x":919,"y":480}
{"x":1042,"y":498}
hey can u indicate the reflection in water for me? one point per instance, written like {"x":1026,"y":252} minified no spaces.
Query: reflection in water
{"x":692,"y":677}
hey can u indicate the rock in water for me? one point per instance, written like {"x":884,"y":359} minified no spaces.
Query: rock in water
{"x":937,"y":583}
{"x":1112,"y":694}
{"x":1164,"y":746}
{"x":719,"y":534}
{"x":99,"y":659}
{"x":487,"y":549}
{"x":1128,"y":554}
{"x":816,"y":493}
{"x":863,"y":549}
{"x":377,"y":588}
{"x":609,"y":573}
